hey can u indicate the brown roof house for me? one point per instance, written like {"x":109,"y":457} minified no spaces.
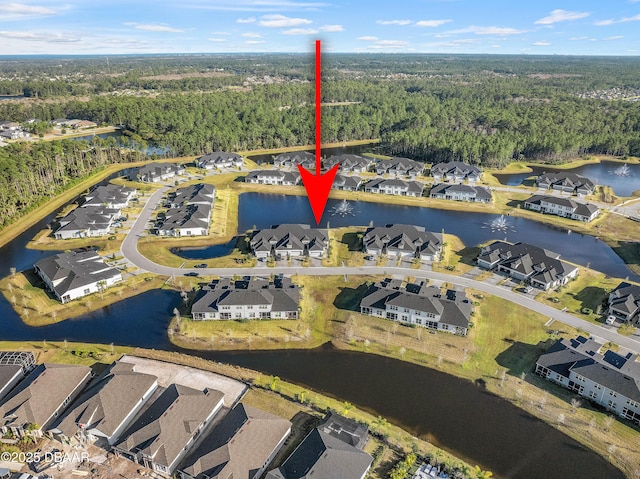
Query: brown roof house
{"x":41,"y":397}
{"x":241,"y":446}
{"x":107,"y":406}
{"x":168,"y":426}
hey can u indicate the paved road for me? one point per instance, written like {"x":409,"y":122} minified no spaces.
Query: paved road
{"x":130,"y":252}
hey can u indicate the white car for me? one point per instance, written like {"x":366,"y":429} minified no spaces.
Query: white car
{"x":611,"y":319}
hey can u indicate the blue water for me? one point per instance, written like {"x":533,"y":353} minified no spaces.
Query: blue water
{"x":600,"y":173}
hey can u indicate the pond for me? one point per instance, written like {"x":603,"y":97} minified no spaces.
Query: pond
{"x":623,"y":181}
{"x":123,"y":141}
{"x":259,"y":210}
{"x":452,"y":413}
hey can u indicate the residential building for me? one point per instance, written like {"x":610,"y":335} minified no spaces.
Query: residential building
{"x":107,"y":407}
{"x":567,"y":182}
{"x":164,"y":431}
{"x":524,"y":262}
{"x":9,"y":125}
{"x":325,"y":453}
{"x":456,"y":171}
{"x":36,"y":402}
{"x":109,"y":196}
{"x":562,"y":206}
{"x":399,"y":167}
{"x":348,"y":163}
{"x":403,"y":241}
{"x":290,"y":240}
{"x":219,"y":160}
{"x":457,"y":192}
{"x":189,"y":212}
{"x":292,"y":159}
{"x":394,"y":187}
{"x":14,"y":365}
{"x":86,"y":222}
{"x":197,"y":194}
{"x":73,"y":275}
{"x":347,"y":183}
{"x":14,"y":134}
{"x":602,"y":376}
{"x":418,"y":304}
{"x":156,"y":172}
{"x":273,"y":177}
{"x":241,"y":446}
{"x":624,"y":302}
{"x":252,"y":298}
{"x":347,"y":430}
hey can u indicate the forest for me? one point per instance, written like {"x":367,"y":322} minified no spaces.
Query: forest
{"x":487,"y":110}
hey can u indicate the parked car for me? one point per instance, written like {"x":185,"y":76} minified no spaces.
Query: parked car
{"x":528,"y":289}
{"x":201,"y":265}
{"x":611,"y":319}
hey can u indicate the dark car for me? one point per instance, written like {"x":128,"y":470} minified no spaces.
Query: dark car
{"x":191,"y":273}
{"x":201,"y":265}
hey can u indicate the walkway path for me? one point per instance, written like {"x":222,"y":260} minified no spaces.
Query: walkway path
{"x":130,"y":251}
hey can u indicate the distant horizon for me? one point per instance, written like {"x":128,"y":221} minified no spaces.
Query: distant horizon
{"x":114,"y":27}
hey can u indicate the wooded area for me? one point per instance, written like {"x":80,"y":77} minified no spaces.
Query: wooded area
{"x":481,"y":109}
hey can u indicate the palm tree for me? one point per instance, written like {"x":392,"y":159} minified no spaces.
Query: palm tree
{"x":379,"y":422}
{"x":273,"y":382}
{"x":346,"y":407}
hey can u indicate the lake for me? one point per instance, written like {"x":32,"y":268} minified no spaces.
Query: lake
{"x":123,"y":141}
{"x":260,"y":210}
{"x":603,"y":173}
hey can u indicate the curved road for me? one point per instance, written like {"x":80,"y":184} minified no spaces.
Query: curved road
{"x":130,"y":252}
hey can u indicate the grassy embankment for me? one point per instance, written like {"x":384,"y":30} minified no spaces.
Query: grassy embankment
{"x":500,"y":351}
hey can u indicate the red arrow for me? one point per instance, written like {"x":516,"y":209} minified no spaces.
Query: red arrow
{"x":318,"y":185}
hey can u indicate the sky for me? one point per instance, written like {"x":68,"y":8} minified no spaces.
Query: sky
{"x":587,"y":27}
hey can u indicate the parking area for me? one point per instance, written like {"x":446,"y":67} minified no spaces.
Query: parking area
{"x":168,"y":373}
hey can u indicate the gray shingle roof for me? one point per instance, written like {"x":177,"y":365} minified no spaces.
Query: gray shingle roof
{"x":219,"y":158}
{"x":294,"y":158}
{"x":155,"y":170}
{"x":75,"y":269}
{"x":108,"y":401}
{"x":345,"y":429}
{"x":580,"y":355}
{"x":565,"y":179}
{"x":413,"y":186}
{"x":351,"y":182}
{"x":455,"y":168}
{"x":400,"y":165}
{"x":164,"y":428}
{"x":320,"y":455}
{"x":41,"y":393}
{"x":476,"y":191}
{"x":583,"y":209}
{"x":283,"y":295}
{"x":238,"y":446}
{"x":403,"y":238}
{"x":347,"y":162}
{"x":295,"y":235}
{"x":626,"y":297}
{"x":285,"y":176}
{"x":108,"y":194}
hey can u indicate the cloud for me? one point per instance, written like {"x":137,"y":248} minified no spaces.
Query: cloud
{"x":246,"y":20}
{"x":254,"y":5}
{"x":615,"y":37}
{"x":495,"y":30}
{"x":393,"y":22}
{"x":251,"y":35}
{"x":635,"y":18}
{"x":431,"y":23}
{"x":576,"y":39}
{"x":217,"y":40}
{"x":153,"y":28}
{"x":368,"y":38}
{"x":46,"y":37}
{"x":331,"y":28}
{"x":453,"y":43}
{"x":220,"y":33}
{"x":559,"y":15}
{"x":21,"y":10}
{"x":300,"y":31}
{"x":541,"y":43}
{"x":254,"y":42}
{"x":389,"y":44}
{"x":280,"y":21}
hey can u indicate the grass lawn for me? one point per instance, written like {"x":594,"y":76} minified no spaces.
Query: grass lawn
{"x":589,"y":290}
{"x":456,"y":257}
{"x":37,"y":307}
